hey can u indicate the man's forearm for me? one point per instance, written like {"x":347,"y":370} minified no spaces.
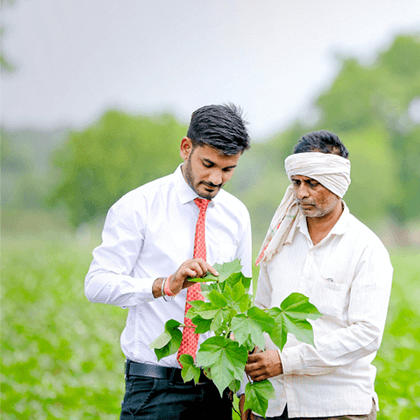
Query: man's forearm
{"x":157,"y":287}
{"x":118,"y":289}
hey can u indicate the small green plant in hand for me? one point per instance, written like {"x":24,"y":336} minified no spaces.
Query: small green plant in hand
{"x":238,"y":328}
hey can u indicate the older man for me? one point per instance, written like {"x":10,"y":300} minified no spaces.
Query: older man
{"x":316,"y":247}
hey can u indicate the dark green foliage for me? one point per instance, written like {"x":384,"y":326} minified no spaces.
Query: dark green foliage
{"x":117,"y":154}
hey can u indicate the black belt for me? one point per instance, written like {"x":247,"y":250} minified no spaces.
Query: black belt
{"x":158,"y":372}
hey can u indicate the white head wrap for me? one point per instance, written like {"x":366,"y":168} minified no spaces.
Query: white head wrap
{"x":330,"y":170}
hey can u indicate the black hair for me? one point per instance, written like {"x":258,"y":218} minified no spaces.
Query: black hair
{"x":221,"y":127}
{"x":321,"y":141}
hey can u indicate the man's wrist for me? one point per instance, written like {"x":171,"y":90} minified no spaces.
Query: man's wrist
{"x":166,"y":292}
{"x":166,"y":288}
{"x":157,"y":286}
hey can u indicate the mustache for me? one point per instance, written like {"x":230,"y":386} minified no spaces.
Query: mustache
{"x":305,"y":202}
{"x":211,"y":185}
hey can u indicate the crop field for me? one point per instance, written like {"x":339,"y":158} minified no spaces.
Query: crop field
{"x":60,"y":354}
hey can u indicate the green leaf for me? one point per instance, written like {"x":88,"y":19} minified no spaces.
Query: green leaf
{"x":217,"y":299}
{"x":291,"y":317}
{"x":248,"y":344}
{"x":169,"y":341}
{"x":231,"y":295}
{"x":189,"y":370}
{"x":225,"y":358}
{"x":217,"y":322}
{"x":239,"y":278}
{"x":205,"y":309}
{"x":235,"y":385}
{"x":237,"y":297}
{"x":252,"y":325}
{"x":225,"y":271}
{"x":161,"y":340}
{"x":207,"y":372}
{"x":201,"y":325}
{"x":244,"y":303}
{"x":257,"y":395}
{"x":202,"y":279}
{"x":299,"y":305}
{"x":207,"y":287}
{"x":279,"y":332}
{"x":246,"y":281}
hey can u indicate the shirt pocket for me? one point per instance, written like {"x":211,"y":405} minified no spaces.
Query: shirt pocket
{"x":330,"y":298}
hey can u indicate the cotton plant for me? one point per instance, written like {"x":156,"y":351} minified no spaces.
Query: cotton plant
{"x":238,"y":328}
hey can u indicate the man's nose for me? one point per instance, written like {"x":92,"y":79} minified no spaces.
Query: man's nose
{"x":302,"y":192}
{"x":216,"y":177}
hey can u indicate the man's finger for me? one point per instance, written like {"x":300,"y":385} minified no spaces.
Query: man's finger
{"x":253,"y":358}
{"x":214,"y":271}
{"x":255,"y":370}
{"x":192,"y":273}
{"x":196,"y":269}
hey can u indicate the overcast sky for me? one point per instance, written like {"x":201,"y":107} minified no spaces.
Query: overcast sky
{"x":77,"y":58}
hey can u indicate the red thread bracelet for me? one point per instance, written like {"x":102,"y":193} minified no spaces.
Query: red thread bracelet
{"x":166,"y":288}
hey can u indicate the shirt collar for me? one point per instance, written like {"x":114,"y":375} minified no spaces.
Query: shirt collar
{"x":184,"y":191}
{"x":338,"y":229}
{"x":342,"y":223}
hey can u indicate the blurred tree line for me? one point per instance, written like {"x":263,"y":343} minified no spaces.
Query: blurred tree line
{"x":115,"y":155}
{"x":374,"y":109}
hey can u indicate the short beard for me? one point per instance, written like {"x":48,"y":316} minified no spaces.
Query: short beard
{"x":328,"y":207}
{"x":189,"y":176}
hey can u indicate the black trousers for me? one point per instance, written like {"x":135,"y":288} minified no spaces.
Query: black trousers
{"x":148,"y":398}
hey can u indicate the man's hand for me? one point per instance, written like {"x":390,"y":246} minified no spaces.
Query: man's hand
{"x":265,"y":365}
{"x":245,"y":415}
{"x":189,"y":269}
{"x":196,"y":267}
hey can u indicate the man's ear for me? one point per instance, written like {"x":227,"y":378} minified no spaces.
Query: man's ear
{"x":186,"y":148}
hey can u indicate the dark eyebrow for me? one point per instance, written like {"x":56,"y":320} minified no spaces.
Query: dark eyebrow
{"x":212,"y":163}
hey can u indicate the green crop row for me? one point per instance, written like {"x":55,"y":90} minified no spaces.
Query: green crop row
{"x":60,"y":354}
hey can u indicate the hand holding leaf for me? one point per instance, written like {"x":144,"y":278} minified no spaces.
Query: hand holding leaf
{"x":238,"y":328}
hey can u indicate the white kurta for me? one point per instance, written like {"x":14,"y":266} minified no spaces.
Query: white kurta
{"x":347,"y":276}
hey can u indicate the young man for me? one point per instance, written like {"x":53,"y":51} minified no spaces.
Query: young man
{"x":317,"y":248}
{"x":157,"y":237}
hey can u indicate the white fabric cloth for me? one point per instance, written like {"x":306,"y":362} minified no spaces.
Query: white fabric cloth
{"x":347,"y":276}
{"x":330,"y":170}
{"x":148,"y":234}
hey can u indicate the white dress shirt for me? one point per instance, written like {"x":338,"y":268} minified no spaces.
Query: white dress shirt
{"x":347,"y":276}
{"x":148,"y":234}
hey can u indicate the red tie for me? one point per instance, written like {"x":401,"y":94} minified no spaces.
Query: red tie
{"x":189,"y":338}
